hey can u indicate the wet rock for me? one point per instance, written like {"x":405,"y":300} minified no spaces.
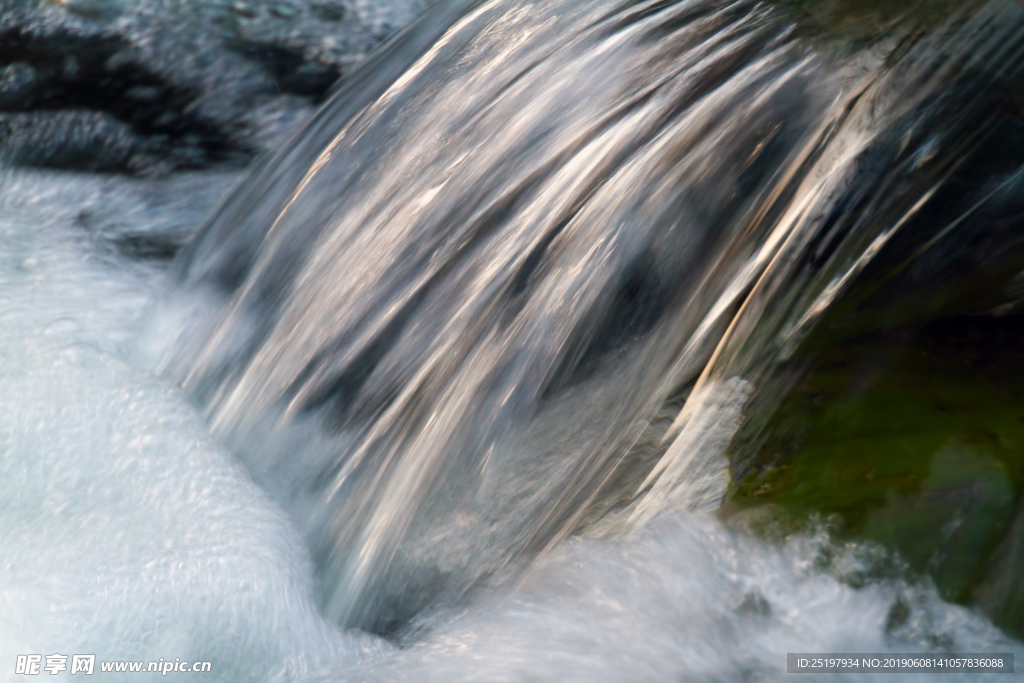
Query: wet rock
{"x":17,"y":82}
{"x":328,"y":10}
{"x":85,"y":140}
{"x":911,"y":439}
{"x":754,"y":604}
{"x":185,"y":84}
{"x":901,"y":414}
{"x":99,"y":9}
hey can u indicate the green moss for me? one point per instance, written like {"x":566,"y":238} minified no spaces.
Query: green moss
{"x":912,"y":438}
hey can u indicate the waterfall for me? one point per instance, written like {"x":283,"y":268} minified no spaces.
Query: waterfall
{"x":524,"y":270}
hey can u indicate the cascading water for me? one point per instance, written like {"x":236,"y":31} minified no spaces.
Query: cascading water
{"x":483,"y":323}
{"x":447,"y":310}
{"x":522,"y":277}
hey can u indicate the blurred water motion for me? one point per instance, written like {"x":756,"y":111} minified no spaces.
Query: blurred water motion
{"x":521,"y":275}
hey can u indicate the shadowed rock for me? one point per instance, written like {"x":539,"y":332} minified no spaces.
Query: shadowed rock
{"x":171,"y":84}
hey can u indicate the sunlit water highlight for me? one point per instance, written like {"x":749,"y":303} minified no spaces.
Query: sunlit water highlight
{"x":437,"y":323}
{"x":128,"y":532}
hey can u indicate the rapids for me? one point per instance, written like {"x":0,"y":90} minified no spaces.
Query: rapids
{"x":444,"y":389}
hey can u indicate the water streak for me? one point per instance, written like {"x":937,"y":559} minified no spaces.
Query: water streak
{"x":445,"y":313}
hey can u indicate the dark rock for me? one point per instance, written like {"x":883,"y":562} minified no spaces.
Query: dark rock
{"x":329,"y":10}
{"x":86,"y":140}
{"x":910,"y":439}
{"x":17,"y":83}
{"x":149,"y":247}
{"x":754,"y":604}
{"x":178,"y":85}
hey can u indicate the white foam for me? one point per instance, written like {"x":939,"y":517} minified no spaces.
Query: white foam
{"x":686,"y":600}
{"x":124,"y":532}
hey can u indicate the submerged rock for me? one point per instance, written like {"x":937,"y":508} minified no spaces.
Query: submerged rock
{"x":912,"y":438}
{"x":901,"y":415}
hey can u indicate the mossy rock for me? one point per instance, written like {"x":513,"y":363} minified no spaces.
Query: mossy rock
{"x":912,"y":438}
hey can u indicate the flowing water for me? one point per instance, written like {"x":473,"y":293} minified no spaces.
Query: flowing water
{"x":459,"y":366}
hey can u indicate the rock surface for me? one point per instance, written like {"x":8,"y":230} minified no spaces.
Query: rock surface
{"x":147,"y":87}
